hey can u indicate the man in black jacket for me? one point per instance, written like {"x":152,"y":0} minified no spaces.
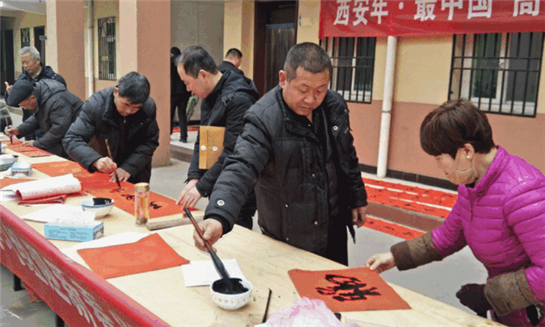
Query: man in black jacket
{"x":226,"y":97}
{"x":33,"y":71}
{"x":124,"y":115}
{"x":55,"y":109}
{"x":232,"y":61}
{"x":297,"y":149}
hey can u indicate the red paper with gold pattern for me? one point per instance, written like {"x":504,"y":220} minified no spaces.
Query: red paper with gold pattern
{"x":148,"y":254}
{"x":28,"y":150}
{"x":354,"y":289}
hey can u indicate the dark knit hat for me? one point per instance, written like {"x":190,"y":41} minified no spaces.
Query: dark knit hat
{"x":19,"y":92}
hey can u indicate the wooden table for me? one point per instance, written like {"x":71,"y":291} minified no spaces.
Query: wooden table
{"x":160,"y":298}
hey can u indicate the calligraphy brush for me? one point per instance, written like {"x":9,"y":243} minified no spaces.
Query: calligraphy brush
{"x":115,"y":171}
{"x":220,"y":268}
{"x":7,"y":124}
{"x":267,"y":307}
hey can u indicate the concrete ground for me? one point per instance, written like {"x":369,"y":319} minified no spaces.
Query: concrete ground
{"x":439,"y":280}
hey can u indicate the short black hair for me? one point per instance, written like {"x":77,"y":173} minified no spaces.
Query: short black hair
{"x":233,"y":53}
{"x":455,"y":123}
{"x":135,"y":87}
{"x":175,"y":51}
{"x":309,"y":56}
{"x":194,"y":58}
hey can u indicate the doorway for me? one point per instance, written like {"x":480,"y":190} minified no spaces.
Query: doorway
{"x":7,"y":69}
{"x":39,"y":41}
{"x":275,"y":34}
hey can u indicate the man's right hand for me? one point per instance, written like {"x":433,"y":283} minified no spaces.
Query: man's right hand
{"x":10,"y":130}
{"x":8,"y":87}
{"x":211,"y":230}
{"x":105,"y":165}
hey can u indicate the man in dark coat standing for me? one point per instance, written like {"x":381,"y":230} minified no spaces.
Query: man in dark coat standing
{"x":33,"y":70}
{"x":232,"y":61}
{"x":124,"y":115}
{"x":55,"y":109}
{"x":226,"y":97}
{"x":297,"y":149}
{"x":179,"y":96}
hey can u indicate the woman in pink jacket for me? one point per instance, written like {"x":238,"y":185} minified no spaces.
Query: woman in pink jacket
{"x":499,"y":214}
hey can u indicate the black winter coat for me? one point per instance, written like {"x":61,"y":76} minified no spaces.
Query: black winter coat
{"x":285,"y":162}
{"x":100,"y":120}
{"x":46,"y":73}
{"x":56,"y":110}
{"x":225,"y":107}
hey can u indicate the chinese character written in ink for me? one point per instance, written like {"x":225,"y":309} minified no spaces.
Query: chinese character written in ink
{"x":128,"y":196}
{"x":347,"y":288}
{"x":154,"y":205}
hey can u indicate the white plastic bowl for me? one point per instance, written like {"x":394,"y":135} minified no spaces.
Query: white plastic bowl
{"x":100,"y":206}
{"x":232,"y":301}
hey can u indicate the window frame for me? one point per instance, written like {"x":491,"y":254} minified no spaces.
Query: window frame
{"x":338,"y":49}
{"x":107,"y":43}
{"x":465,"y":61}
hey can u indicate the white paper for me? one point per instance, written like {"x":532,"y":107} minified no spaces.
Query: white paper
{"x":61,"y":213}
{"x":65,"y":184}
{"x":203,"y":273}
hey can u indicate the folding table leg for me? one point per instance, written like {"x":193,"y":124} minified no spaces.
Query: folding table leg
{"x":58,"y":321}
{"x":17,"y":285}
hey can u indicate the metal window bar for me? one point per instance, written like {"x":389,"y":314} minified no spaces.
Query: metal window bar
{"x":25,"y":37}
{"x":106,"y":48}
{"x":353,"y":62}
{"x":503,"y":72}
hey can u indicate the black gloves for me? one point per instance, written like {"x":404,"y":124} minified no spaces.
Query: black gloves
{"x":472,"y":296}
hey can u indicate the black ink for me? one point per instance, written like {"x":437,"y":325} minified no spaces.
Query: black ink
{"x":347,"y":289}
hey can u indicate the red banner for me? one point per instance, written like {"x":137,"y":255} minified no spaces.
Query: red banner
{"x":356,"y":18}
{"x":79,"y":296}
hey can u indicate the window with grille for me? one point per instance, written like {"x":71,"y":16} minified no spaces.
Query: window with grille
{"x":25,"y":37}
{"x":498,"y":72}
{"x":106,"y":48}
{"x":353,"y":62}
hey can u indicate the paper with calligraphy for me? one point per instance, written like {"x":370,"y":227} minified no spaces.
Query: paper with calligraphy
{"x":354,"y":289}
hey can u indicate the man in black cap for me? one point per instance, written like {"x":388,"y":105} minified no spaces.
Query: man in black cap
{"x":33,"y":70}
{"x":55,"y":110}
{"x":125,"y":116}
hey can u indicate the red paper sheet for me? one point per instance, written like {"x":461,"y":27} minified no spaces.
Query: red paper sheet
{"x":99,"y":185}
{"x":148,"y":254}
{"x":6,"y":181}
{"x":410,"y":197}
{"x":355,"y":289}
{"x":28,"y":150}
{"x":392,"y":229}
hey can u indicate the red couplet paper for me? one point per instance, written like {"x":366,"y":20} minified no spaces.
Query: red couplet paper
{"x":99,"y":185}
{"x":148,"y":254}
{"x":354,"y":289}
{"x":28,"y":150}
{"x":392,"y":229}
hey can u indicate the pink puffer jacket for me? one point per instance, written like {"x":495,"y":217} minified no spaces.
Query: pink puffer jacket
{"x":502,"y":220}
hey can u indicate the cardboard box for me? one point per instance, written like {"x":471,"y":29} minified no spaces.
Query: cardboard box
{"x":211,"y":145}
{"x":67,"y":232}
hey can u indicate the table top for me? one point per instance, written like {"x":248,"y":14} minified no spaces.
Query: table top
{"x":265,"y":263}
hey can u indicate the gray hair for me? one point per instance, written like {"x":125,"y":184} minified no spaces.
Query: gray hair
{"x":34,"y":54}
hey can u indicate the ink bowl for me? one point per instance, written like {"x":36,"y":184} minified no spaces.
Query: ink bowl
{"x":236,"y":299}
{"x":100,"y":206}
